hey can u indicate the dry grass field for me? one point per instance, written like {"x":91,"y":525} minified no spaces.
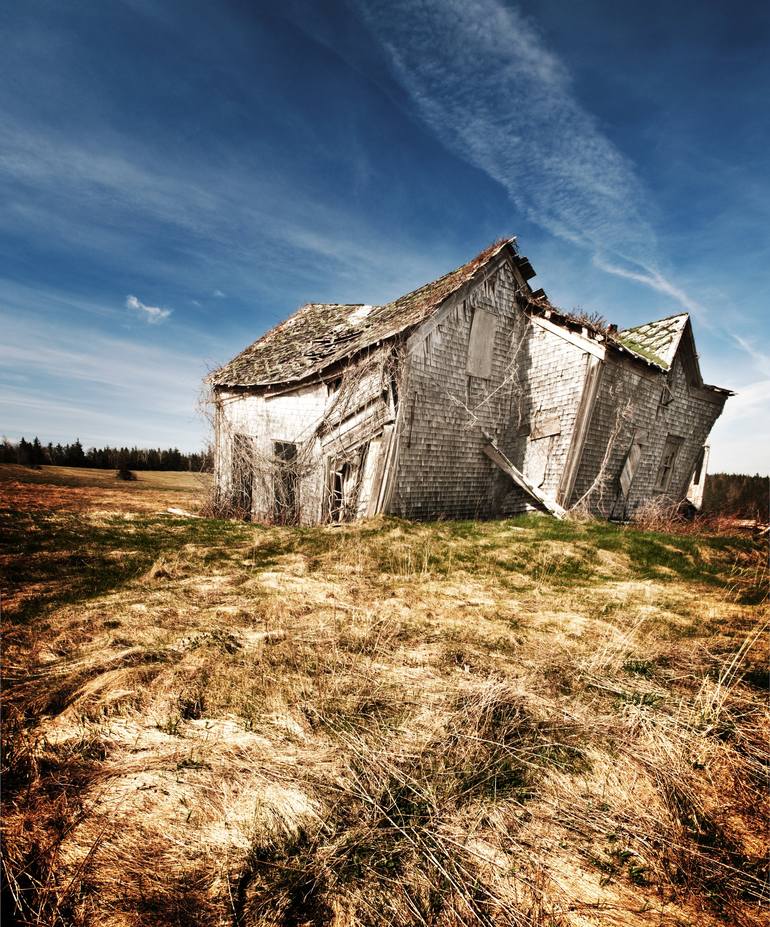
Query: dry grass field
{"x":521,"y":722}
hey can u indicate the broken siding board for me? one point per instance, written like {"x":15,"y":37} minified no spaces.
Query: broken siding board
{"x":698,"y":481}
{"x":500,"y":460}
{"x":579,"y":341}
{"x":546,"y":427}
{"x":368,"y":468}
{"x":383,"y":445}
{"x":390,"y":465}
{"x":594,"y":368}
{"x":536,"y":459}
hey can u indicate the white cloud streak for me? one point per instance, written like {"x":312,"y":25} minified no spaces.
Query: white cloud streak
{"x":61,"y":380}
{"x":152,"y":314}
{"x":482,"y":78}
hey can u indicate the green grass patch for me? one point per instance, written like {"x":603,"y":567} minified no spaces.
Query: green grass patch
{"x":68,"y":557}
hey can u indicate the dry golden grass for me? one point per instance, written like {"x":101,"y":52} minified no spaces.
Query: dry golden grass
{"x":510,"y":723}
{"x":75,"y":489}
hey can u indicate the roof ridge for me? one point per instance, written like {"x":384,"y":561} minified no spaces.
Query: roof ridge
{"x":281,"y":354}
{"x":665,"y":318}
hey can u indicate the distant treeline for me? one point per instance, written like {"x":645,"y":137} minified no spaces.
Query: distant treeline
{"x":737,"y":494}
{"x":34,"y":454}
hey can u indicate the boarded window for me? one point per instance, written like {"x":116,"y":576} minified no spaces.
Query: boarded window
{"x":481,"y":344}
{"x":285,"y":505}
{"x":536,"y":460}
{"x":667,"y":462}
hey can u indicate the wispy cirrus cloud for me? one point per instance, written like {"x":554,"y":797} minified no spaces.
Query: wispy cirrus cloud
{"x":151,"y":314}
{"x":217,"y":213}
{"x":482,"y":77}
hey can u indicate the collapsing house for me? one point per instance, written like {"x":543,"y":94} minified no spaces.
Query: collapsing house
{"x":471,"y":397}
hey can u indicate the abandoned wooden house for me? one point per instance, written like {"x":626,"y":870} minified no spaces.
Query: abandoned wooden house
{"x":471,"y":397}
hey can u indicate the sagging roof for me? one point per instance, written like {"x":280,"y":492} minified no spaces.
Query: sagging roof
{"x":655,"y":341}
{"x":321,"y":334}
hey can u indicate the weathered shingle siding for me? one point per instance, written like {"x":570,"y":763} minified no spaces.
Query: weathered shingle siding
{"x":441,"y":467}
{"x":628,"y":404}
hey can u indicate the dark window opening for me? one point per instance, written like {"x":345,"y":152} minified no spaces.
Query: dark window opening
{"x":337,"y":502}
{"x":698,"y":467}
{"x":285,"y":504}
{"x":667,"y":462}
{"x":666,"y":395}
{"x":242,"y":472}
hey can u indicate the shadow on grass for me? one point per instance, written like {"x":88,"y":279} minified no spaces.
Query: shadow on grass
{"x":53,"y":558}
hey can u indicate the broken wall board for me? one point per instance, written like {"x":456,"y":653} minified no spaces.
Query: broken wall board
{"x":536,"y":459}
{"x":546,"y":427}
{"x":593,"y":375}
{"x":578,"y":340}
{"x":500,"y":460}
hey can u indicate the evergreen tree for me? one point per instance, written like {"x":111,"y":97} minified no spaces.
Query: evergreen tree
{"x":24,"y":453}
{"x":75,"y":455}
{"x":36,"y":453}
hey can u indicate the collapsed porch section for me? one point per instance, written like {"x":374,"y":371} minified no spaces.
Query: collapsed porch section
{"x":312,"y":453}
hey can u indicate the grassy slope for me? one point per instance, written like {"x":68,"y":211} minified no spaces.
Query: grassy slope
{"x":175,"y":480}
{"x":519,"y":722}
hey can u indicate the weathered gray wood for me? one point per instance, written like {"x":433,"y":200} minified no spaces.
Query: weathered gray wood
{"x":546,"y":427}
{"x":630,"y":467}
{"x":389,"y":452}
{"x":480,"y":344}
{"x":382,"y":453}
{"x":500,"y":460}
{"x":566,"y":419}
{"x":580,"y":432}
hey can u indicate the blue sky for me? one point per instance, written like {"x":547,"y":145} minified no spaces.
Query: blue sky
{"x":176,"y":177}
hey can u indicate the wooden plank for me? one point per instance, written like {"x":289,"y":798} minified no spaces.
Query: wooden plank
{"x":500,"y":460}
{"x":698,"y":481}
{"x":389,"y":452}
{"x":481,"y":344}
{"x":580,"y":430}
{"x":630,"y":467}
{"x":579,"y":341}
{"x":383,"y":446}
{"x":546,"y":428}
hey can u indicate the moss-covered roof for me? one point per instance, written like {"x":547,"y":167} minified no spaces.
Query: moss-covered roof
{"x":655,"y":341}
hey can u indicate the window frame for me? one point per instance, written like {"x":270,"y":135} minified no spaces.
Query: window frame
{"x":667,"y":464}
